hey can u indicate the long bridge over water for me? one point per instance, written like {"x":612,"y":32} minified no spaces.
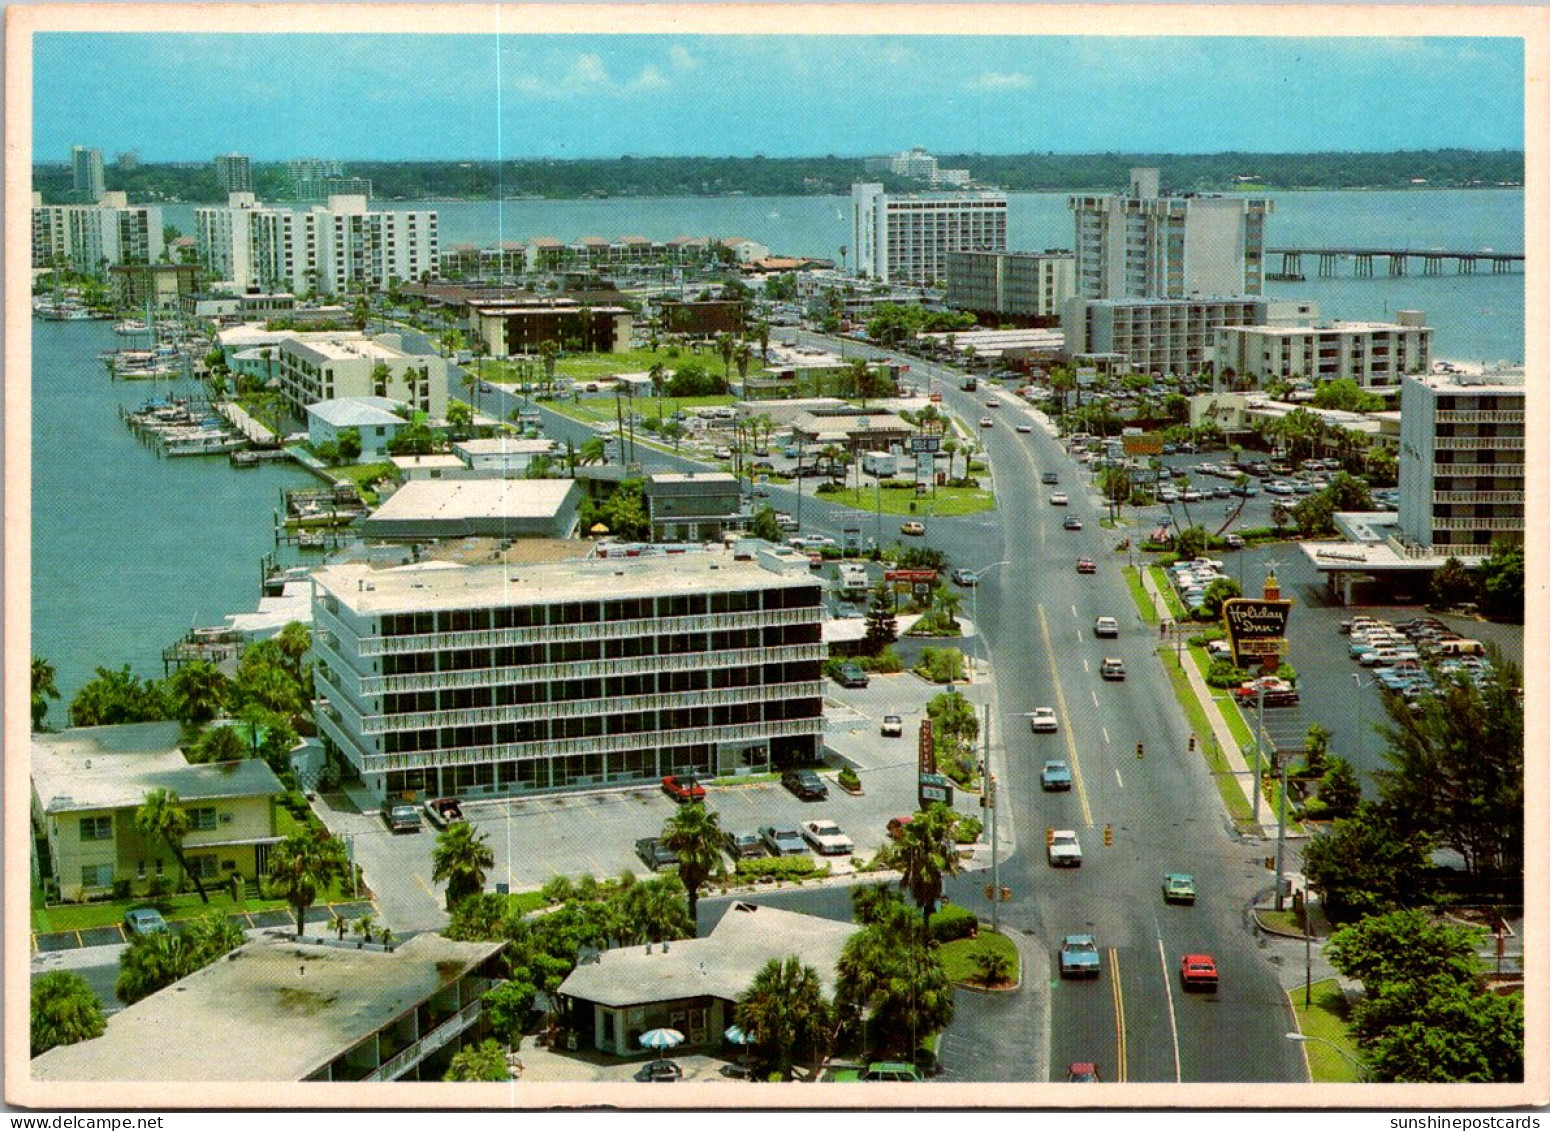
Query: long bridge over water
{"x":1399,"y":260}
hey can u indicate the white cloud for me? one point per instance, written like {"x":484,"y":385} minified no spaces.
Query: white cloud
{"x":650,"y":78}
{"x":681,"y":60}
{"x":1000,"y":80}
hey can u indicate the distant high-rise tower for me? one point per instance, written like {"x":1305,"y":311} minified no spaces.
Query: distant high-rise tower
{"x":234,"y":172}
{"x":1147,"y":245}
{"x":86,"y":165}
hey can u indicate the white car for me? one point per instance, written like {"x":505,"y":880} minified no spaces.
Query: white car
{"x":1044,"y":720}
{"x":1105,"y":626}
{"x":1064,"y":851}
{"x":827,"y":838}
{"x":1025,"y":428}
{"x":986,"y":422}
{"x":1167,"y":495}
{"x":1059,"y":499}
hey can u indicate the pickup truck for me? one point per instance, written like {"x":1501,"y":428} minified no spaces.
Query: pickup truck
{"x":444,"y":812}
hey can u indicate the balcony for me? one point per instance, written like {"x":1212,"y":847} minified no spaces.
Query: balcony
{"x":1478,"y":497}
{"x":598,"y":744}
{"x":395,"y":1066}
{"x":1480,"y":416}
{"x":1493,"y":524}
{"x":1480,"y":443}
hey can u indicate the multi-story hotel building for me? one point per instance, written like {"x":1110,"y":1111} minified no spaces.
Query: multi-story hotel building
{"x":234,"y":172}
{"x":498,"y":679}
{"x":1153,"y":246}
{"x":907,"y":238}
{"x":1461,"y":461}
{"x":89,"y":237}
{"x":321,"y":368}
{"x":1167,"y":335}
{"x":329,"y":248}
{"x":1376,"y":355}
{"x":1018,"y":284}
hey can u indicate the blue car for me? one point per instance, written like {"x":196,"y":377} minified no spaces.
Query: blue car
{"x":1079,"y":957}
{"x":144,"y":921}
{"x":1055,"y":776}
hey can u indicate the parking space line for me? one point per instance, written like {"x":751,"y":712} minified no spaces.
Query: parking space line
{"x":1060,"y":698}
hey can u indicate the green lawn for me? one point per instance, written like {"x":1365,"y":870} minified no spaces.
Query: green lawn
{"x":1144,"y":604}
{"x":593,"y":366}
{"x":81,"y":916}
{"x":1226,"y":783}
{"x":958,"y":955}
{"x":1160,"y":580}
{"x":1326,"y":1020}
{"x":945,"y":501}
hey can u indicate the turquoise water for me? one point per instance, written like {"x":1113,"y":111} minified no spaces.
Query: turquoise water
{"x":1478,"y":317}
{"x":129,"y":551}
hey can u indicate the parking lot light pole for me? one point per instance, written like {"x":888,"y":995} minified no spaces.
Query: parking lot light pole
{"x":1360,"y":687}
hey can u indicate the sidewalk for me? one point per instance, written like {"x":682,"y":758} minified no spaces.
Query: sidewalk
{"x":1238,"y":765}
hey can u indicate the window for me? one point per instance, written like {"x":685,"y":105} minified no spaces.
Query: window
{"x":202,"y":819}
{"x":97,"y":876}
{"x":97,"y":828}
{"x":204,"y":865}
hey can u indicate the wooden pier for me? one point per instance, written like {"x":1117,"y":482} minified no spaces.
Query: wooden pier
{"x":1432,"y":261}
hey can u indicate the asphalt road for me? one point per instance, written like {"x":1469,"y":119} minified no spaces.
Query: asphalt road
{"x":1036,"y":617}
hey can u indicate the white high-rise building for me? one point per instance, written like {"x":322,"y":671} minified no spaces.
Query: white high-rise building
{"x":86,"y":172}
{"x":110,"y":233}
{"x":328,"y":248}
{"x":1147,"y":245}
{"x":906,"y":239}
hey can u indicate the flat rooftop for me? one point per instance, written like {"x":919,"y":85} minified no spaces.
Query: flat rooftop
{"x":413,"y":589}
{"x":114,"y":767}
{"x":427,"y":500}
{"x":352,"y":350}
{"x":503,"y":445}
{"x":270,"y":1010}
{"x":1327,"y":328}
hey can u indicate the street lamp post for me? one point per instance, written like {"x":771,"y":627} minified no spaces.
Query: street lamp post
{"x":1361,"y":1069}
{"x":1259,"y":736}
{"x":1281,"y":834}
{"x":1356,"y":677}
{"x":979,"y":635}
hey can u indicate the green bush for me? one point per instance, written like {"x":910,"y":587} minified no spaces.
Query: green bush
{"x":953,"y":921}
{"x":1223,"y":673}
{"x":940,"y":665}
{"x":782,"y":868}
{"x":848,"y":779}
{"x":886,"y":662}
{"x":968,"y":830}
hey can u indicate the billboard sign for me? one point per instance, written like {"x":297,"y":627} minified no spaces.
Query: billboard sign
{"x":1256,"y":628}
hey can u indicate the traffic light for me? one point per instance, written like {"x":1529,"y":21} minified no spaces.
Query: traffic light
{"x":1108,"y":836}
{"x":1006,"y":897}
{"x":1049,"y":834}
{"x":990,"y":892}
{"x":1270,"y":862}
{"x":1140,"y":750}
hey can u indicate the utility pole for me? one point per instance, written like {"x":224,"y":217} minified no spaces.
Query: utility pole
{"x":1281,"y":835}
{"x":1259,"y":733}
{"x":988,"y":783}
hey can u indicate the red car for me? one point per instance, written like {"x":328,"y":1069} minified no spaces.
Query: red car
{"x":1198,"y":971}
{"x":683,"y":789}
{"x":897,"y":826}
{"x":1086,"y":565}
{"x":1082,"y":1072}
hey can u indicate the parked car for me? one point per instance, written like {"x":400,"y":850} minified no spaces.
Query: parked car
{"x":684,"y":788}
{"x":783,"y":840}
{"x":443,"y":812}
{"x":827,"y":838}
{"x":1082,"y":1072}
{"x":1079,"y":957}
{"x":1055,"y":776}
{"x":897,"y":825}
{"x":743,"y":846}
{"x":1178,"y":887}
{"x":852,"y":675}
{"x":893,"y":726}
{"x":144,"y":921}
{"x":965,"y":577}
{"x":1278,"y":693}
{"x":1113,"y":668}
{"x":655,"y":854}
{"x":806,"y":784}
{"x":1063,"y":850}
{"x":400,"y":818}
{"x":1198,"y":972}
{"x":1105,"y":626}
{"x":914,"y":529}
{"x":1043,"y":720}
{"x":891,"y":1072}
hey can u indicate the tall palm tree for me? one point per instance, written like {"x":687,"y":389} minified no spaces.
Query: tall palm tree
{"x":784,"y":1010}
{"x":461,"y":856}
{"x":548,"y":352}
{"x":650,"y":911}
{"x":725,"y":347}
{"x":742,"y":356}
{"x":44,"y":688}
{"x":199,"y":691}
{"x":301,"y":866}
{"x":925,"y":854}
{"x":592,"y":450}
{"x":694,"y":833}
{"x":160,"y":815}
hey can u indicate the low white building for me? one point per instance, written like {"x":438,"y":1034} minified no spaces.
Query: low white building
{"x":424,"y":510}
{"x":1376,"y":355}
{"x":376,"y":419}
{"x":502,"y":455}
{"x":435,"y":466}
{"x":358,"y":366}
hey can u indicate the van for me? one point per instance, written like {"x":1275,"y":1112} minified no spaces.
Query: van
{"x":1447,"y":648}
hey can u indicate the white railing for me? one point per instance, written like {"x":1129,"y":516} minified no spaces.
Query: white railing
{"x":1477,"y":470}
{"x":1500,"y":523}
{"x":1480,"y":416}
{"x":599,"y":744}
{"x":399,"y":1063}
{"x":1477,"y":496}
{"x":1480,"y":443}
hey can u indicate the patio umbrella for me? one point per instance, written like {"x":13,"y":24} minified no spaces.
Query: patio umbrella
{"x":659,"y":1040}
{"x":737,"y":1037}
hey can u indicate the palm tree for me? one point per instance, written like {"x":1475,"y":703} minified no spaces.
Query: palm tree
{"x":485,"y":1061}
{"x":650,"y":912}
{"x":694,"y":833}
{"x":160,"y":815}
{"x":381,"y":377}
{"x":762,"y":329}
{"x":725,"y":347}
{"x":593,"y":450}
{"x":199,"y":691}
{"x":742,"y":355}
{"x":548,"y":352}
{"x":460,"y":858}
{"x":64,"y":1011}
{"x":301,"y":866}
{"x":949,"y":601}
{"x":925,"y":854}
{"x":950,"y":447}
{"x":44,"y":688}
{"x":784,"y":1010}
{"x":658,"y":377}
{"x":150,"y":963}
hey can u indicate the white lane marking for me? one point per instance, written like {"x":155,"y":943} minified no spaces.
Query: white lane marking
{"x":1173,"y":1021}
{"x":1105,"y":731}
{"x":1094,"y":694}
{"x":1085,"y":668}
{"x":1073,"y":611}
{"x":1118,"y":778}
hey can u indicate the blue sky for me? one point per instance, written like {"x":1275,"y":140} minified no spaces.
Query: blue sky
{"x":427,"y":97}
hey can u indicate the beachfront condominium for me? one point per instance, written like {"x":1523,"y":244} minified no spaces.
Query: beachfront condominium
{"x":315,"y":368}
{"x":906,"y":238}
{"x":500,"y":679}
{"x":234,"y":172}
{"x":1461,"y":461}
{"x":90,"y":238}
{"x":1149,"y":245}
{"x":329,"y":248}
{"x":1376,"y":355}
{"x":1167,"y":335}
{"x":86,"y":173}
{"x":1024,"y":285}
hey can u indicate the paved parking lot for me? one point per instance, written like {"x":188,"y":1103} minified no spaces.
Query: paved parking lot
{"x":536,"y":838}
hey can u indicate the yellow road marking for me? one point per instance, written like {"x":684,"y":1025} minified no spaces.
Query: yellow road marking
{"x":1060,"y":697}
{"x":1120,"y":1050}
